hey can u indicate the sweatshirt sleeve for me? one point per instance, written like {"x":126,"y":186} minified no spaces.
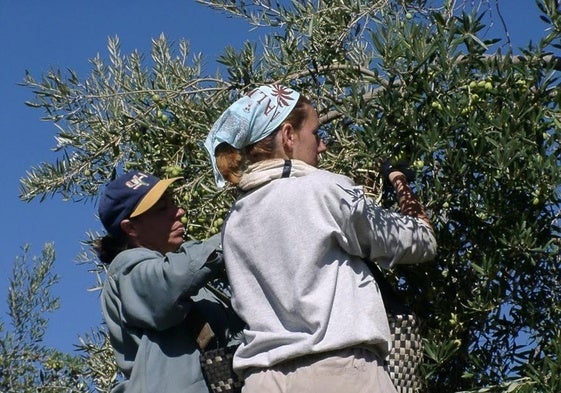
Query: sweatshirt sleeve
{"x":379,"y":234}
{"x":155,"y":290}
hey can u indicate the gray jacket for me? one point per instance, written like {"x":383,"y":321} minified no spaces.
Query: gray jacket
{"x":295,"y":248}
{"x":146,"y":300}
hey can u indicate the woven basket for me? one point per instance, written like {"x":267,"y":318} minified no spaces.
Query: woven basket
{"x":218,"y":372}
{"x":402,"y":363}
{"x":406,"y":354}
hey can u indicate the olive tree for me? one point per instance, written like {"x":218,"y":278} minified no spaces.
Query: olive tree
{"x":26,"y":364}
{"x":422,"y":81}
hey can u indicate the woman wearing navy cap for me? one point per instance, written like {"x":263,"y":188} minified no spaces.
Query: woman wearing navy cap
{"x":154,"y":299}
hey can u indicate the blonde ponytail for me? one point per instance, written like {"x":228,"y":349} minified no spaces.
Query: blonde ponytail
{"x":229,"y":161}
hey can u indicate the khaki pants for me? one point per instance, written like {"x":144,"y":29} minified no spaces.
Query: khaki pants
{"x":353,"y":370}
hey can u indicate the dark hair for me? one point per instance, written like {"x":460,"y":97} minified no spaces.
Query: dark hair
{"x":107,"y":247}
{"x":231,"y":162}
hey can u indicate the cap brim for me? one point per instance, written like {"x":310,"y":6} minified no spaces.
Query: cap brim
{"x":152,"y":196}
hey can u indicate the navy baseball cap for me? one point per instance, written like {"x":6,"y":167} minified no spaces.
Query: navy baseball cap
{"x":129,"y":196}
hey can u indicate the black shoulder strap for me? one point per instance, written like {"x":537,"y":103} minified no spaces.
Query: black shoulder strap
{"x":287,"y":167}
{"x":392,"y":299}
{"x":219,"y":294}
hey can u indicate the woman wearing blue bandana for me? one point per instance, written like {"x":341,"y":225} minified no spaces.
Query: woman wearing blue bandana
{"x":158,"y":310}
{"x":294,"y":246}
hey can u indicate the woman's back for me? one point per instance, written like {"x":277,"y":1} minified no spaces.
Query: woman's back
{"x":287,"y":256}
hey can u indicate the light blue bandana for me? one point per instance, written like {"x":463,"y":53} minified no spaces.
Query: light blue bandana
{"x":250,"y":119}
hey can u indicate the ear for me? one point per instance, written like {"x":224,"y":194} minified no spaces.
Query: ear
{"x":287,"y":135}
{"x":128,"y":227}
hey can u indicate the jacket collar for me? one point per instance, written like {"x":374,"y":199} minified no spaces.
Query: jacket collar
{"x":264,"y":172}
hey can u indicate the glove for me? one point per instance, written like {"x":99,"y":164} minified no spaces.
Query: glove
{"x":401,"y":166}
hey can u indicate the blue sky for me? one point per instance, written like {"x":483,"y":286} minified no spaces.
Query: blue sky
{"x":38,"y":35}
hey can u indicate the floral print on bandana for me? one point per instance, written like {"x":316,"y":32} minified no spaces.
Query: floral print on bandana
{"x":250,"y":119}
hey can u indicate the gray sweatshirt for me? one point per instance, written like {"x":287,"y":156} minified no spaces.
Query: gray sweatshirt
{"x":146,"y":300}
{"x":294,"y":250}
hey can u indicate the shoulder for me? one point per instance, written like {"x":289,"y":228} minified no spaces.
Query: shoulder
{"x":331,"y":178}
{"x":308,"y":174}
{"x":328,"y":184}
{"x":127,"y":259}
